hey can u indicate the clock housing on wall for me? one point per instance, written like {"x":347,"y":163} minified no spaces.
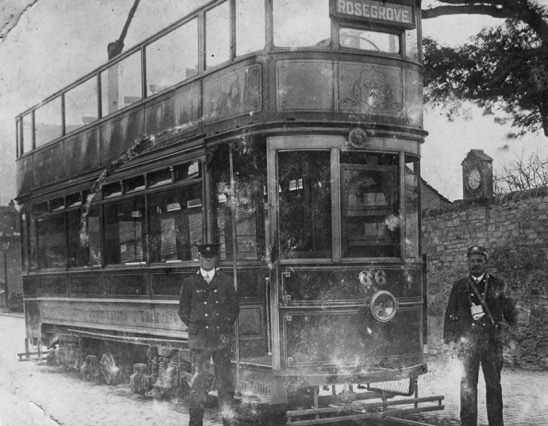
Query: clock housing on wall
{"x":477,"y":174}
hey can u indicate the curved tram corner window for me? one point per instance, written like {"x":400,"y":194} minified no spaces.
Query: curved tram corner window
{"x":412,"y":207}
{"x":369,"y":40}
{"x":302,"y":23}
{"x":305,"y":204}
{"x":250,"y":26}
{"x":176,"y":223}
{"x":217,"y":35}
{"x":370,"y":205}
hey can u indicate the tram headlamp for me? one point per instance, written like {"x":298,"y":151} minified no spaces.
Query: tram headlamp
{"x":383,"y":306}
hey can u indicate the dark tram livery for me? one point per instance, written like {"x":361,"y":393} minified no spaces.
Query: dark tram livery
{"x":287,"y":131}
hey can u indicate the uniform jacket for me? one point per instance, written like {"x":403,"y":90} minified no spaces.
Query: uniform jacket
{"x":458,"y":318}
{"x":209,"y":310}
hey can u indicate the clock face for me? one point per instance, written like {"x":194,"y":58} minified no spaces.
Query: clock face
{"x":473,"y":179}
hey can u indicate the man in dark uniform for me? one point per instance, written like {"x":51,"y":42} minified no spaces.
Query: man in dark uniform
{"x":209,"y":307}
{"x":478,"y":311}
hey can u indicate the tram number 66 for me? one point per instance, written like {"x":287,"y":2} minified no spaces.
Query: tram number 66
{"x":370,"y":277}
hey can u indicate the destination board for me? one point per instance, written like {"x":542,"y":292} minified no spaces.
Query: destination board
{"x":392,"y":13}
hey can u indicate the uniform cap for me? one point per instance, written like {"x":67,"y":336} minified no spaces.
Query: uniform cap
{"x":477,"y":250}
{"x":208,"y":250}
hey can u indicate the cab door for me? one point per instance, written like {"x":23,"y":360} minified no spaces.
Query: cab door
{"x":302,"y":197}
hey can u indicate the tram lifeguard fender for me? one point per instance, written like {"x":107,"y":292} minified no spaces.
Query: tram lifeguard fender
{"x":390,"y":12}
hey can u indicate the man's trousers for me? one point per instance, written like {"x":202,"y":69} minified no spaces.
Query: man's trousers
{"x":201,"y":381}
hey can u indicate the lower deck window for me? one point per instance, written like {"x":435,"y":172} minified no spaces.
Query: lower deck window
{"x":124,"y":232}
{"x":370,"y":205}
{"x":51,"y":242}
{"x":304,"y":180}
{"x":175,"y":223}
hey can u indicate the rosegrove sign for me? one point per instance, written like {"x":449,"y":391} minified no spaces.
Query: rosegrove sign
{"x":376,"y":11}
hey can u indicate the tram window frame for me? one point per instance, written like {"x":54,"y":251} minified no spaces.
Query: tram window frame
{"x":209,"y":42}
{"x":114,"y":245}
{"x":249,"y":214}
{"x":298,"y":185}
{"x":187,"y":37}
{"x":375,"y":30}
{"x":27,"y":132}
{"x":324,"y":43}
{"x":52,"y":109}
{"x":121,"y":97}
{"x":82,"y":98}
{"x":241,"y":24}
{"x":184,"y":250}
{"x":50,"y":253}
{"x":25,"y":241}
{"x":411,"y":201}
{"x":380,"y":207}
{"x":83,"y":251}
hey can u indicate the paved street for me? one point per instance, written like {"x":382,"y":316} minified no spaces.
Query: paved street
{"x":39,"y":395}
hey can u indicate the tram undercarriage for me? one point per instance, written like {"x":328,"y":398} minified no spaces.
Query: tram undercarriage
{"x":165,"y":372}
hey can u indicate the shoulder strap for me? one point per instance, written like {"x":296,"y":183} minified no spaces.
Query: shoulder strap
{"x":481,"y":298}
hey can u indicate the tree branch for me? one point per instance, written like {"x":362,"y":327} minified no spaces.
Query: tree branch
{"x":469,"y":9}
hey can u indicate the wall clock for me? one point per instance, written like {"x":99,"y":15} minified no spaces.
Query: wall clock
{"x":473,"y":179}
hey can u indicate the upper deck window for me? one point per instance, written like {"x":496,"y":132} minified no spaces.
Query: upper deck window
{"x":375,"y":41}
{"x":121,"y":84}
{"x":301,"y":23}
{"x":412,"y":44}
{"x":217,"y":35}
{"x":27,"y":132}
{"x":48,"y":122}
{"x":172,"y":58}
{"x":81,"y":105}
{"x":250,"y":26}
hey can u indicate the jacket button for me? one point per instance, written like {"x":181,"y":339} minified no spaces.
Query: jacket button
{"x":205,"y":303}
{"x":206,"y":315}
{"x":207,"y":326}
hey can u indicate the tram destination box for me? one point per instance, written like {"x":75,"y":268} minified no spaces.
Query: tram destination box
{"x":395,"y":12}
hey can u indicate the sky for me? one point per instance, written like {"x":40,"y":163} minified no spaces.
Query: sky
{"x":57,"y":41}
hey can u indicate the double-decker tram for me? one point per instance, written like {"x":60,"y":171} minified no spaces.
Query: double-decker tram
{"x":288,"y":132}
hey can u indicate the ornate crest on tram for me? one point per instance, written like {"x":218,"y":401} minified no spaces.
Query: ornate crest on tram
{"x":371,"y":92}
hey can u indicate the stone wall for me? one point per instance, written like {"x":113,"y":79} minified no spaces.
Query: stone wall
{"x":514,"y":228}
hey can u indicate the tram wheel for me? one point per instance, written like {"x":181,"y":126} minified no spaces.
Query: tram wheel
{"x":109,"y":370}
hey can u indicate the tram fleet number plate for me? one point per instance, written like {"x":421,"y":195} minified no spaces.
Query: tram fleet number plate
{"x":371,"y":10}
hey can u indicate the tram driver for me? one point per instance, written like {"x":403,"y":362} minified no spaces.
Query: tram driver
{"x":478,"y":311}
{"x":209,"y":307}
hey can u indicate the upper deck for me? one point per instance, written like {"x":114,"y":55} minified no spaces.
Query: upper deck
{"x":229,"y":65}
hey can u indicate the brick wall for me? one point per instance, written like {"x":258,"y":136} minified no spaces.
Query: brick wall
{"x":514,"y":228}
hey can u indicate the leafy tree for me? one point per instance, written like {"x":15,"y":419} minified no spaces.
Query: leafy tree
{"x":503,"y":70}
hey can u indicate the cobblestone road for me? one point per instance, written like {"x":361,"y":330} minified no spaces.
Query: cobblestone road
{"x":39,"y":395}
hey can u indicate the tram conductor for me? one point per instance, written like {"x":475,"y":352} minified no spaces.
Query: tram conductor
{"x":478,"y":313}
{"x":209,"y":307}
